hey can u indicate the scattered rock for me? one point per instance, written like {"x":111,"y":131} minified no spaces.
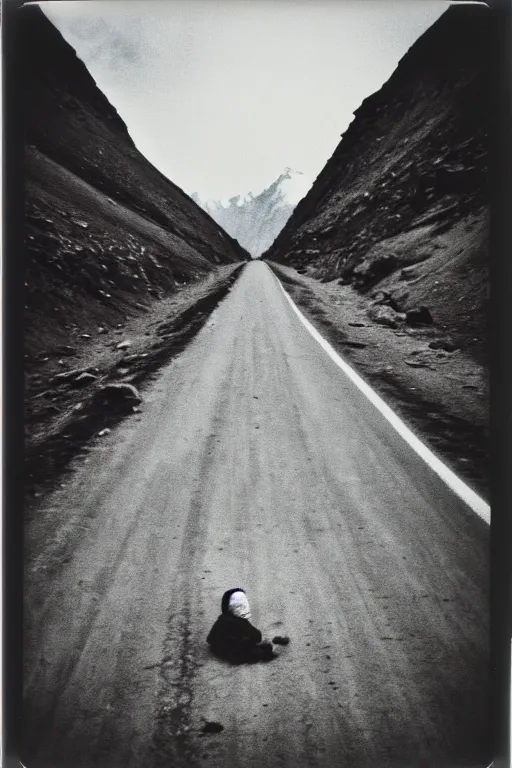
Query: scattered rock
{"x":445,"y":344}
{"x":417,"y":363}
{"x":281,"y":640}
{"x":355,"y":344}
{"x":68,"y":375}
{"x":41,"y":394}
{"x":212,"y":727}
{"x":85,"y":378}
{"x":66,"y":350}
{"x":104,"y":432}
{"x":408,"y":273}
{"x":124,"y":344}
{"x":85,"y":335}
{"x":120,"y":393}
{"x":358,"y":325}
{"x":418,"y":316}
{"x":383,"y":297}
{"x":384,"y":315}
{"x":101,"y":329}
{"x":373,"y":269}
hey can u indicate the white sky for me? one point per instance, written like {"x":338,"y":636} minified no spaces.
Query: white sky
{"x":222,"y":95}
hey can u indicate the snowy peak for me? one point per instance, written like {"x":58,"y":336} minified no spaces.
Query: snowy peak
{"x":256,"y":220}
{"x":293,"y":186}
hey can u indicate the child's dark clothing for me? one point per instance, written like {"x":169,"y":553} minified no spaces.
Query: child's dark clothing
{"x":233,"y":636}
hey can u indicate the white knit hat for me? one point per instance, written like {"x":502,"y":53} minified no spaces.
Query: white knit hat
{"x":239,"y":605}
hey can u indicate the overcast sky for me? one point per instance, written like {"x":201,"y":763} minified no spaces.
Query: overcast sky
{"x":222,"y":95}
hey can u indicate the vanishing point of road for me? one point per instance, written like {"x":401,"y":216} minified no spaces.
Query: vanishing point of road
{"x":256,"y":462}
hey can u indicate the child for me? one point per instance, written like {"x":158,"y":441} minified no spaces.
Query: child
{"x":233,"y":636}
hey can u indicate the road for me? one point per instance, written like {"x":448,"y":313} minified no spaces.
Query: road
{"x":255,"y":462}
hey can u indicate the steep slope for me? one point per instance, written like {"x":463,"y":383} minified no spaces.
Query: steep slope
{"x":401,"y":206}
{"x":256,"y":220}
{"x":104,"y":227}
{"x":121,"y":268}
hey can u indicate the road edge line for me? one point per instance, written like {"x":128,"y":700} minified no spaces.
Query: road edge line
{"x":458,"y":486}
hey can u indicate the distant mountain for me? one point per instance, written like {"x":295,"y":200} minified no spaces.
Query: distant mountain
{"x":255,"y":221}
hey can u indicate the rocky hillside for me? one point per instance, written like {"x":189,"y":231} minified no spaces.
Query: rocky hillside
{"x":256,"y":220}
{"x":105,"y":230}
{"x":401,"y":206}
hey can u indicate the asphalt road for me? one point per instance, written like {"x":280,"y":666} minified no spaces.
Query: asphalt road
{"x":256,"y":462}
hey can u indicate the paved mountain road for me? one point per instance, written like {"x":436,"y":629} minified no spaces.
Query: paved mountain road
{"x":256,"y":462}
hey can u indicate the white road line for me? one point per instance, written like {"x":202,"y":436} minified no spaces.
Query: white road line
{"x":460,"y":488}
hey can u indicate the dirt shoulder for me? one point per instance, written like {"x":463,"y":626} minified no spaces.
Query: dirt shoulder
{"x":77,"y":391}
{"x":442,"y":395}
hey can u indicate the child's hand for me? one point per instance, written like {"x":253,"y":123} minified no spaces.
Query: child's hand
{"x":266,"y":650}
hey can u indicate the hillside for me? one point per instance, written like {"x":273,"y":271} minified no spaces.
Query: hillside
{"x":401,"y":206}
{"x":104,"y":227}
{"x":256,"y":220}
{"x":122,"y":268}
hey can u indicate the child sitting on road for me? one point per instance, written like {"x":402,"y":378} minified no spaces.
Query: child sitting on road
{"x":233,"y":636}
